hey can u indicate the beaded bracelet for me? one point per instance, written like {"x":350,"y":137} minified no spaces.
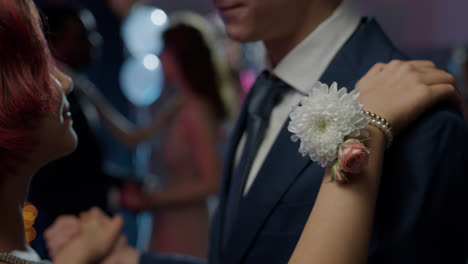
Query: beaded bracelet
{"x":382,"y":124}
{"x":10,"y":258}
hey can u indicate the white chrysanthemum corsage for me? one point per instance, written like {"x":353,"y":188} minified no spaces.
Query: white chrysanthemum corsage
{"x":324,"y":118}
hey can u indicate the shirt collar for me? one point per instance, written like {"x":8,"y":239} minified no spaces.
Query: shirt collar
{"x":304,"y":65}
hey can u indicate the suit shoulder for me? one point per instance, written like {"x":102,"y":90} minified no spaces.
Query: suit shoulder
{"x":369,"y":45}
{"x":439,"y":134}
{"x":445,"y":118}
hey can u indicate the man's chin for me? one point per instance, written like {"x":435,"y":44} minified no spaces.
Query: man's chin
{"x":241,"y":35}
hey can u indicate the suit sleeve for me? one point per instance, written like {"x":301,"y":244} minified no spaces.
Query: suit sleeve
{"x":154,"y":258}
{"x":422,"y":212}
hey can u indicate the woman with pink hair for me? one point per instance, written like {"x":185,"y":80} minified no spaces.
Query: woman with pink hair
{"x":35,"y":129}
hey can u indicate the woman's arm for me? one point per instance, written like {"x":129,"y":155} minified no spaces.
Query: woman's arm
{"x":340,"y":224}
{"x":126,"y":132}
{"x":339,"y":227}
{"x":201,"y":129}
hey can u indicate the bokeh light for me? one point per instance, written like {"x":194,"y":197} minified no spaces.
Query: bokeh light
{"x":142,"y":29}
{"x":158,"y":17}
{"x":151,"y":62}
{"x":141,"y":79}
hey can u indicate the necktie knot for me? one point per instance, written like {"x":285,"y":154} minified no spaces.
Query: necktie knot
{"x":267,"y":91}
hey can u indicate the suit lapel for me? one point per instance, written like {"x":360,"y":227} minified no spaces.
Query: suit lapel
{"x":279,"y":171}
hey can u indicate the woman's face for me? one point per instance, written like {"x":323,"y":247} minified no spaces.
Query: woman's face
{"x":56,"y":135}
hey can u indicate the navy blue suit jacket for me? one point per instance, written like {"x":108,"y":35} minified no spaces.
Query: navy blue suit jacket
{"x":421,"y":214}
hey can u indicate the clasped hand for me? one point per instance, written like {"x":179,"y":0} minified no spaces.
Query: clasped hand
{"x":91,"y":238}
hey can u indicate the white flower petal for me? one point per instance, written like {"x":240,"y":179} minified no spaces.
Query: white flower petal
{"x":323,"y":119}
{"x":342,"y":92}
{"x":333,"y":88}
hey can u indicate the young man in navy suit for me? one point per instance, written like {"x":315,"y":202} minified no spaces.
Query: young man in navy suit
{"x":420,"y":213}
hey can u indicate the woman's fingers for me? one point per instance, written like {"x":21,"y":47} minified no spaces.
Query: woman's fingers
{"x":60,"y":225}
{"x":63,"y":225}
{"x":64,"y":229}
{"x":435,"y":77}
{"x":97,"y":237}
{"x":421,"y":64}
{"x":398,"y":65}
{"x":110,"y":235}
{"x":122,"y":242}
{"x":92,"y":214}
{"x":447,"y":92}
{"x":114,"y":227}
{"x":60,"y":242}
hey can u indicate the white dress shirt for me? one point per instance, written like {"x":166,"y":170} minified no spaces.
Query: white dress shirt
{"x":301,"y":68}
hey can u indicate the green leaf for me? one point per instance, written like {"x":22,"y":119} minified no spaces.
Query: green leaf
{"x":332,"y":176}
{"x":364,"y":139}
{"x":344,"y":176}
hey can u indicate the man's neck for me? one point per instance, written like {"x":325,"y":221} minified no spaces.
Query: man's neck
{"x":278,"y":48}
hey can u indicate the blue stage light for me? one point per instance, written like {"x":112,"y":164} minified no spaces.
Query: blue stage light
{"x":142,"y":79}
{"x":142,"y":29}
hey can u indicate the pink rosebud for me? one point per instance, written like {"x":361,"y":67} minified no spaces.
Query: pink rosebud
{"x":339,"y":174}
{"x":352,"y":156}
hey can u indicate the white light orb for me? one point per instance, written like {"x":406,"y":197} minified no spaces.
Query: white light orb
{"x":142,"y":29}
{"x":142,"y":79}
{"x":151,"y":62}
{"x":158,"y":17}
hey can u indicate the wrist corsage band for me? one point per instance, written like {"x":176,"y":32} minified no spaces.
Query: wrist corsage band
{"x":327,"y":122}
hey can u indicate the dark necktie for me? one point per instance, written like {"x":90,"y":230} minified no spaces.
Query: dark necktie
{"x":266,"y":92}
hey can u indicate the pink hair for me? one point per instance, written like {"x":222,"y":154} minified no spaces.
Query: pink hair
{"x":26,"y":87}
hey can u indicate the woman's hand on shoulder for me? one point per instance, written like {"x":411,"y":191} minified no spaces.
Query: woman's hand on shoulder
{"x":400,"y":91}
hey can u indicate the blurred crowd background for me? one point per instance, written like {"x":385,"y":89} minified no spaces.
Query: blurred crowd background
{"x":115,"y":47}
